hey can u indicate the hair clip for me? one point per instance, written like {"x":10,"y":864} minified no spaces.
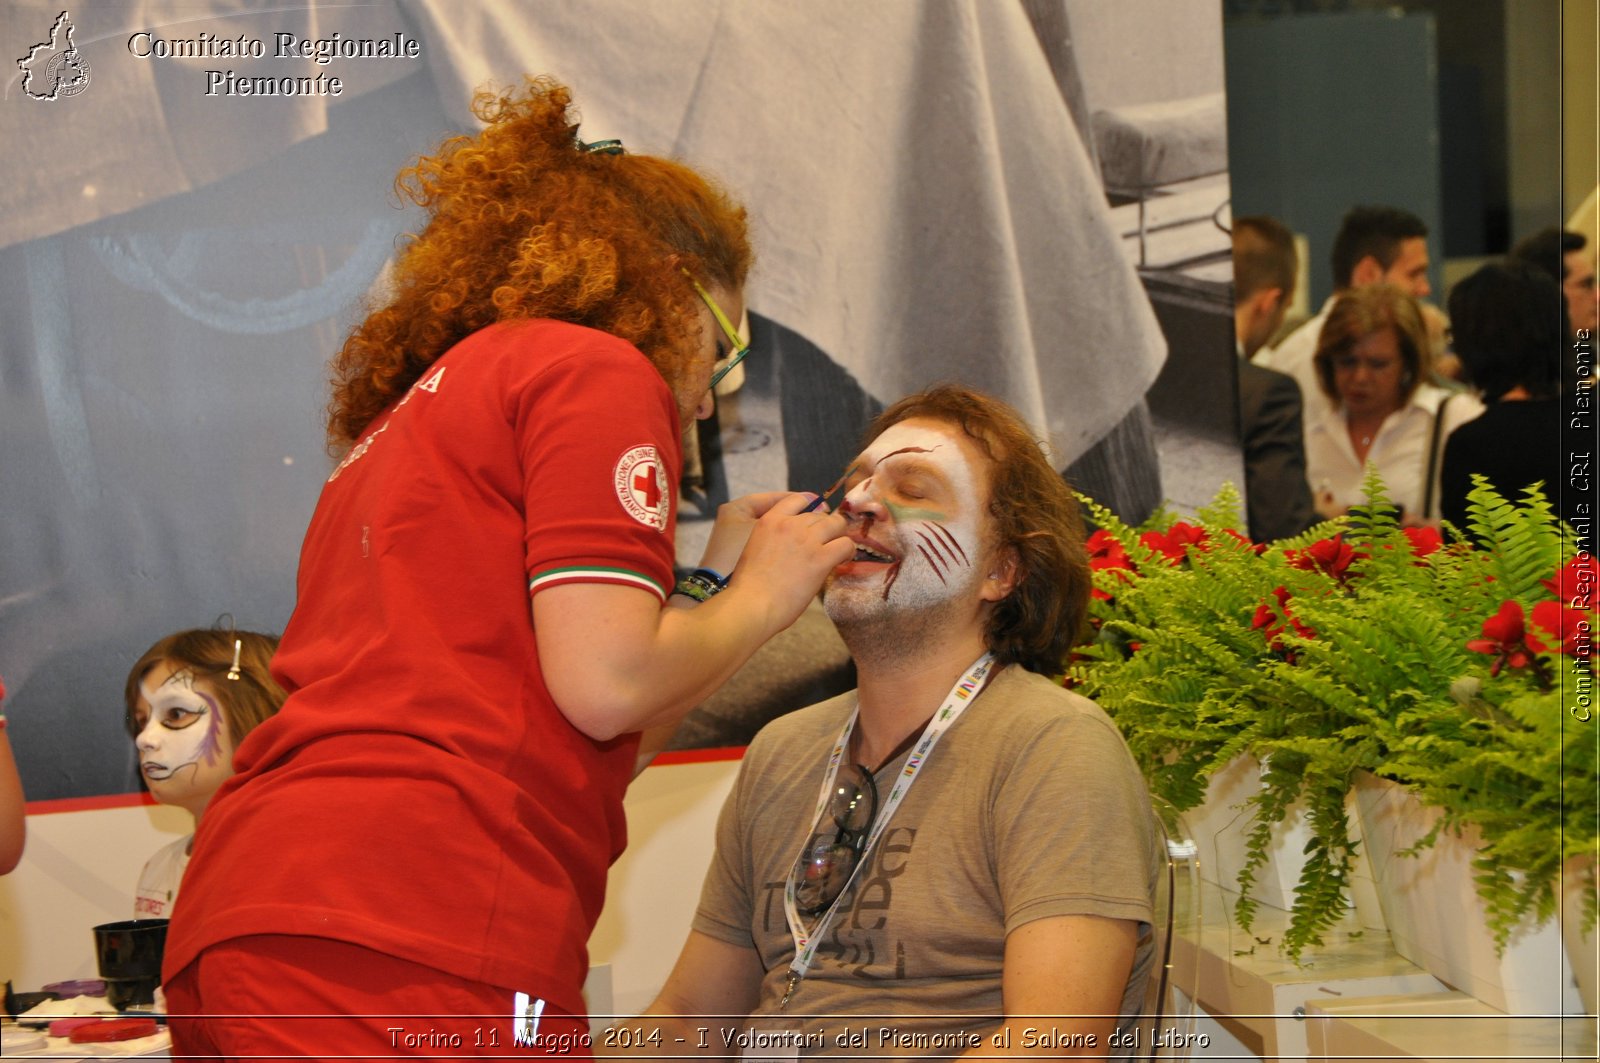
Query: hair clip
{"x":238,"y":647}
{"x":602,"y":147}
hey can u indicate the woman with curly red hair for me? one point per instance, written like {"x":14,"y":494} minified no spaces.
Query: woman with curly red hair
{"x":426,"y":826}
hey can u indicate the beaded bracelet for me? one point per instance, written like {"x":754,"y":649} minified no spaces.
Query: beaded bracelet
{"x":701,"y":584}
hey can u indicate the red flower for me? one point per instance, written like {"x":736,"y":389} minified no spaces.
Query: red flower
{"x":1175,"y":544}
{"x":1505,"y":636}
{"x":1570,"y":627}
{"x":1577,"y":582}
{"x":1424,"y":541}
{"x":1106,"y":553}
{"x":1332,"y":556}
{"x":1266,"y":620}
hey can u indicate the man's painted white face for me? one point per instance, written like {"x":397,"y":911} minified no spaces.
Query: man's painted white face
{"x":915,"y":511}
{"x":185,"y":752}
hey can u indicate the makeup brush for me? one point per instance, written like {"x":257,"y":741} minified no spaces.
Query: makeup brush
{"x":823,"y":497}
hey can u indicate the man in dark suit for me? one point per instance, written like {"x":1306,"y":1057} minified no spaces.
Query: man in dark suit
{"x":1277,"y":496}
{"x":1559,"y":252}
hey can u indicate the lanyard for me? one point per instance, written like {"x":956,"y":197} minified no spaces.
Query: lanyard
{"x":955,"y":703}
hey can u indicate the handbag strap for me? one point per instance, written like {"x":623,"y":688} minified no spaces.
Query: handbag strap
{"x":1433,"y":456}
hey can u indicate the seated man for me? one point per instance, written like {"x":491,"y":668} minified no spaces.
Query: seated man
{"x":960,"y":846}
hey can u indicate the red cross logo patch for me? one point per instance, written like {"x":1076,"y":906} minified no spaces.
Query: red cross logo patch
{"x":641,"y":484}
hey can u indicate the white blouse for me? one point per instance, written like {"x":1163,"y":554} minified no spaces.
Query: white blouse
{"x":1399,"y":451}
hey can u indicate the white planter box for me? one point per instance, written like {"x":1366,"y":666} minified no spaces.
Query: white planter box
{"x":1221,"y":823}
{"x":1583,"y":949}
{"x":1437,"y":921}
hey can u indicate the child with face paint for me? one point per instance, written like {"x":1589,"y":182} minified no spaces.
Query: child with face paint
{"x":191,"y":698}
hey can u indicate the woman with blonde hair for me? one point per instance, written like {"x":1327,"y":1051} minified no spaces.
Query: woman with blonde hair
{"x":1372,"y":361}
{"x":426,"y":827}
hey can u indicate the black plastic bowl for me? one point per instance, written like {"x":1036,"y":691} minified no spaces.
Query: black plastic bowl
{"x":129,"y":955}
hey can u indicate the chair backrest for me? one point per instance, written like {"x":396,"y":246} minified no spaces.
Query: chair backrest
{"x":1167,"y":1023}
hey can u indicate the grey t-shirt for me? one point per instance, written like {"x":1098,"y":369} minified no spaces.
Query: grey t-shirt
{"x":1029,"y":807}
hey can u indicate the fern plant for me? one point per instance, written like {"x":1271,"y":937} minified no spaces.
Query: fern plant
{"x":1513,"y":750}
{"x":1361,"y":645}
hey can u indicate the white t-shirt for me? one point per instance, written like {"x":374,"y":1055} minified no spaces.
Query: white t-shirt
{"x":158,"y":882}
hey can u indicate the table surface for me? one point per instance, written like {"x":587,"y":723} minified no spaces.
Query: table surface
{"x":1241,"y":972}
{"x":1365,"y":999}
{"x":1442,"y":1026}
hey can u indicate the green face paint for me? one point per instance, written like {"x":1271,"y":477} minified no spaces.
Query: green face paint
{"x":906,"y":514}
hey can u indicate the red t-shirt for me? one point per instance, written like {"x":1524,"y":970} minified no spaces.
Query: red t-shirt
{"x":420,"y":793}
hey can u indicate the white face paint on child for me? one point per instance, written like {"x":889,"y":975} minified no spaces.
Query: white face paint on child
{"x":916,"y":516}
{"x":185,"y":752}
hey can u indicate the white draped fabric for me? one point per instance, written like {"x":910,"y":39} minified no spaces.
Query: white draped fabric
{"x":176,"y":267}
{"x":925,"y":207}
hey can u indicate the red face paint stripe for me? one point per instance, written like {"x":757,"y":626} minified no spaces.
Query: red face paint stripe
{"x":935,"y":546}
{"x":932,"y":564}
{"x":894,"y":574}
{"x":904,"y":450}
{"x":951,"y":539}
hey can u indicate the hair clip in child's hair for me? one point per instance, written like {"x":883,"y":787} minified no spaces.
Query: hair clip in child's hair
{"x":602,"y":147}
{"x":238,"y":647}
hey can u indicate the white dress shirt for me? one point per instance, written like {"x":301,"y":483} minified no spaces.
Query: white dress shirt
{"x":1399,"y":451}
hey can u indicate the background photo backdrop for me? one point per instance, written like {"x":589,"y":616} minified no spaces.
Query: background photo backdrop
{"x":176,"y":267}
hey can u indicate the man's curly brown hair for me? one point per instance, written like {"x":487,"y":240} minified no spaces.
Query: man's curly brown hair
{"x":1035,"y":514}
{"x":523,"y":224}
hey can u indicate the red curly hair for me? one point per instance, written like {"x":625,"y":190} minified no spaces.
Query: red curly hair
{"x":522,"y":224}
{"x":1035,"y":514}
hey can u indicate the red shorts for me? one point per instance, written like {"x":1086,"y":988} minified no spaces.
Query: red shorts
{"x":278,"y":996}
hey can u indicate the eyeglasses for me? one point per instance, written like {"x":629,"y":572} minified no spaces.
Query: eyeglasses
{"x":826,"y":863}
{"x":737,"y":346}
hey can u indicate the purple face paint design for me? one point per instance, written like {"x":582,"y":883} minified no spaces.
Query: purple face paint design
{"x":184,"y":750}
